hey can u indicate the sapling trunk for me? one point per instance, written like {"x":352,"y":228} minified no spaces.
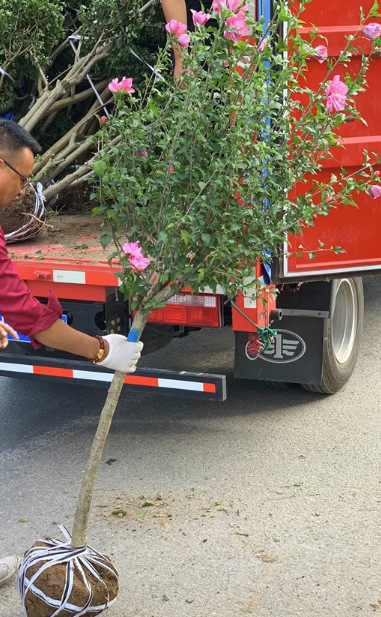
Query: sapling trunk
{"x":81,"y":517}
{"x":82,"y":512}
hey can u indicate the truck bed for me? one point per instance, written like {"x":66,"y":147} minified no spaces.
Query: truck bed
{"x":71,"y":238}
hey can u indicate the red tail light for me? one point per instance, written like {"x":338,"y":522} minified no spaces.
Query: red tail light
{"x":202,"y":310}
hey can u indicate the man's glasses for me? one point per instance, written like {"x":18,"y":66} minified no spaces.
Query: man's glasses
{"x":25,"y":180}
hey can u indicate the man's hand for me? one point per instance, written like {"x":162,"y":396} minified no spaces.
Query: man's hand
{"x":122,"y":356}
{"x":4,"y":331}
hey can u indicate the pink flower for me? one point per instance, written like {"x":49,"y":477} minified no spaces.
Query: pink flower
{"x":372,"y":31}
{"x":139,"y":262}
{"x":237,"y":21}
{"x":200,"y":18}
{"x":233,"y":36}
{"x":321,"y":53}
{"x":328,"y":200}
{"x":132,"y":248}
{"x":142,"y":153}
{"x":175,"y":27}
{"x":171,"y":168}
{"x":375,"y":191}
{"x":234,"y":4}
{"x":240,"y":28}
{"x":125,"y":84}
{"x":377,"y":173}
{"x":103,"y":119}
{"x":217,"y":5}
{"x":336,"y":94}
{"x":136,"y":257}
{"x":183,"y":40}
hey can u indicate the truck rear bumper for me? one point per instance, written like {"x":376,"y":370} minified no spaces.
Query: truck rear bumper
{"x":191,"y":385}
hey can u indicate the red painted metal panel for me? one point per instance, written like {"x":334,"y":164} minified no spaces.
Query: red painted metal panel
{"x":39,"y":276}
{"x":68,"y":291}
{"x":356,"y":230}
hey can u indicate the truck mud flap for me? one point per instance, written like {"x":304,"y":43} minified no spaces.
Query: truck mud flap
{"x":156,"y":381}
{"x":295,"y":356}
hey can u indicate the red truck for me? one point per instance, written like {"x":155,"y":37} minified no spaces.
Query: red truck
{"x":319,"y":322}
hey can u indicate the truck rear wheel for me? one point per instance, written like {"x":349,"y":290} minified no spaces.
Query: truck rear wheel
{"x":342,"y":335}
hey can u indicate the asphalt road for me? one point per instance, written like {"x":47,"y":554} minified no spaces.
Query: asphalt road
{"x":268,"y":504}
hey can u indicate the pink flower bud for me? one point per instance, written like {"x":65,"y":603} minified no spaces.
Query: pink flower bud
{"x":328,"y":200}
{"x":103,"y":119}
{"x":171,"y":169}
{"x":375,"y":191}
{"x":372,"y":31}
{"x":321,"y":53}
{"x":142,"y":153}
{"x":184,"y":40}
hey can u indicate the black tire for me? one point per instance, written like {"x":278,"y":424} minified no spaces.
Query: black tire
{"x":278,"y":385}
{"x":342,"y":334}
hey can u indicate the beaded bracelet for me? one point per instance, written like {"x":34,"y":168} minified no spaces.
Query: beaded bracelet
{"x":101,"y":351}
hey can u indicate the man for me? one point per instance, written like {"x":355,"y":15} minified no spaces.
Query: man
{"x":42,"y":323}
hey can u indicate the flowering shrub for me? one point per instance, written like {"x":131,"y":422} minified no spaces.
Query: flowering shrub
{"x":200,"y":172}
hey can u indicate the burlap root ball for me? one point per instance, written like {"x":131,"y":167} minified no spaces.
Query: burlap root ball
{"x":56,"y":580}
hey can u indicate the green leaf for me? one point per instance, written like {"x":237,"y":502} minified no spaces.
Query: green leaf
{"x":99,"y":167}
{"x":185,"y":236}
{"x":374,"y":9}
{"x":105,"y":240}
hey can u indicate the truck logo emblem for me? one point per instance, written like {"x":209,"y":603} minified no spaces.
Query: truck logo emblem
{"x":286,"y":347}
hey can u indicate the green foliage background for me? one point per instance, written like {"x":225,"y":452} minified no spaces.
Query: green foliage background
{"x":31,"y":31}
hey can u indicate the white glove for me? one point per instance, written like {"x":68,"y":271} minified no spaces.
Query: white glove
{"x":122,"y":356}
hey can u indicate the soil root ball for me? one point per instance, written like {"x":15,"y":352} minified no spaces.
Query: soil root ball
{"x":56,"y":579}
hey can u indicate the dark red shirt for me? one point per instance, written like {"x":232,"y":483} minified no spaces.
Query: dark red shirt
{"x":17,"y":305}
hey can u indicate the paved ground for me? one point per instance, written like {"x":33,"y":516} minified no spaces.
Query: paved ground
{"x":268,"y":504}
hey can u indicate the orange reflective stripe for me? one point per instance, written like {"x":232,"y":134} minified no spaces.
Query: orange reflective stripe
{"x":54,"y":372}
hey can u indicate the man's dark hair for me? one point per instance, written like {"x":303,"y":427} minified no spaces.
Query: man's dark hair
{"x":14,"y":138}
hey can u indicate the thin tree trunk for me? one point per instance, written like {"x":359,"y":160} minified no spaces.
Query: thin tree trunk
{"x":79,"y":535}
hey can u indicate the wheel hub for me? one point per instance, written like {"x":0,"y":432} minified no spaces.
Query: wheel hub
{"x":344,"y":321}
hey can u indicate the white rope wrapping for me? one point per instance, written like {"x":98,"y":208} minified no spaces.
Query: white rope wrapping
{"x":159,"y":75}
{"x":80,"y":559}
{"x":79,"y":38}
{"x":33,"y":226}
{"x":6,"y":74}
